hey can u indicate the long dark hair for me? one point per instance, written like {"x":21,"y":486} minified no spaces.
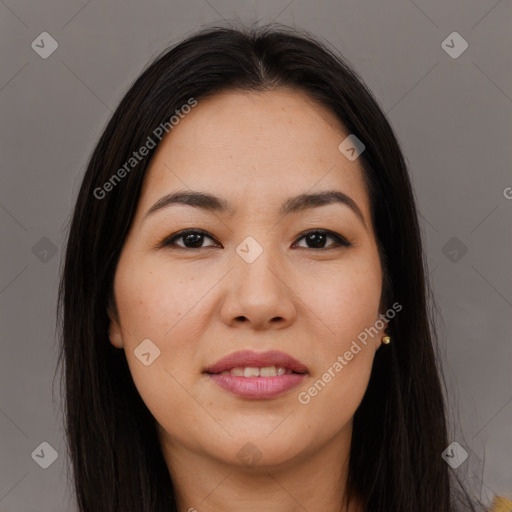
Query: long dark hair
{"x":399,"y":429}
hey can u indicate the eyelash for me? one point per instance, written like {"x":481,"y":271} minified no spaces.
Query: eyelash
{"x":168,"y":242}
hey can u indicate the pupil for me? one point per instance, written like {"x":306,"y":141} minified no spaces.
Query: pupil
{"x":193,"y":239}
{"x":317,"y":239}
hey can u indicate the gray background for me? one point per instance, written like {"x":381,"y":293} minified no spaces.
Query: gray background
{"x":453,"y":120}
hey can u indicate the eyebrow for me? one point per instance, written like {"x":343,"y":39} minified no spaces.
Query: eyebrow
{"x":295,"y":204}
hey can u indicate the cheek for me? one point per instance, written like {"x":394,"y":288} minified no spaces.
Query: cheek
{"x":346,"y":299}
{"x":167,"y":306}
{"x":353,"y":302}
{"x":348,"y":306}
{"x":154,"y":301}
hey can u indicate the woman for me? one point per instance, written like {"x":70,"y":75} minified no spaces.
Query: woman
{"x":245,"y":323}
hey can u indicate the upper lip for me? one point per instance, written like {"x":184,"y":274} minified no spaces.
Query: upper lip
{"x":248,"y":358}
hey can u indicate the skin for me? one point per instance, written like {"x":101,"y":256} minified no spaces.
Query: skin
{"x":199,"y":305}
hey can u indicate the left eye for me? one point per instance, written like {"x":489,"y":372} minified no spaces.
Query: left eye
{"x":193,"y":238}
{"x":318,"y":237}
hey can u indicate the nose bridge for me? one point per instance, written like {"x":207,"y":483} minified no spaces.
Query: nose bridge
{"x":254,"y":260}
{"x":258,"y":293}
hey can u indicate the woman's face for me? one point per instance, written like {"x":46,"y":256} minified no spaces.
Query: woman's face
{"x":253,"y":281}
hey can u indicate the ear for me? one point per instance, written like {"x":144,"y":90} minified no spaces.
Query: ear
{"x":382,"y":325}
{"x":115,"y":334}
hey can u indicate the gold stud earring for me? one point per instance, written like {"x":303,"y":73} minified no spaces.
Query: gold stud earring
{"x":386,"y":340}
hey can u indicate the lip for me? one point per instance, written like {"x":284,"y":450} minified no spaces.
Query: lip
{"x":245,"y":358}
{"x":257,"y":387}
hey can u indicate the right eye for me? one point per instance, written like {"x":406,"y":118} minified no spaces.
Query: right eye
{"x":192,"y":239}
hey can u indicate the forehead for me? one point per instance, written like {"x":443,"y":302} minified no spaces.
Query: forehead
{"x":255,"y":146}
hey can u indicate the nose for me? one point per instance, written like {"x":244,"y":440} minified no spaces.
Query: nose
{"x":260,"y":294}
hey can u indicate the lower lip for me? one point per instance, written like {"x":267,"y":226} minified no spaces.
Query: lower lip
{"x":258,"y":387}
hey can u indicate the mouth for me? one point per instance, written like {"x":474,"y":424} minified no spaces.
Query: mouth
{"x":246,"y":362}
{"x":257,"y":376}
{"x":255,"y":371}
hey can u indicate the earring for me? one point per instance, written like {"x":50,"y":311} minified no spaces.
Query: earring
{"x":386,"y":340}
